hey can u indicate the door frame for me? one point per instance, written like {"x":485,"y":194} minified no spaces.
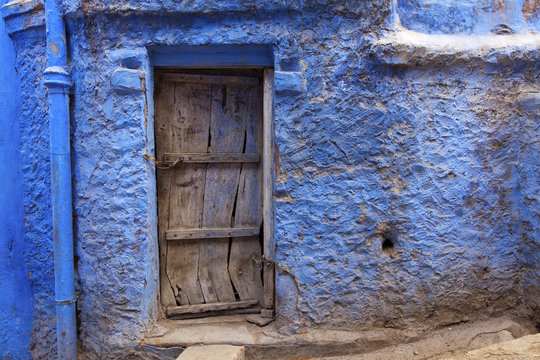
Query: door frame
{"x":269,"y":271}
{"x":223,"y":57}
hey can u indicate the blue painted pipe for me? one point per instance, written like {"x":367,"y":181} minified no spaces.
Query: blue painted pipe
{"x":57,"y":80}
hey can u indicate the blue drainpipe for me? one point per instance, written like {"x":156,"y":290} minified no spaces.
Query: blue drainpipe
{"x":57,"y":80}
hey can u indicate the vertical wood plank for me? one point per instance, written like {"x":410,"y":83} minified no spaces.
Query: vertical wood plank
{"x":227,"y":129}
{"x":190,"y":132}
{"x":268,"y":208}
{"x":164,"y":101}
{"x":244,"y":271}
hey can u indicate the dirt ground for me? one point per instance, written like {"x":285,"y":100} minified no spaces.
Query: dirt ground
{"x":498,"y":345}
{"x":457,"y":342}
{"x":523,"y":348}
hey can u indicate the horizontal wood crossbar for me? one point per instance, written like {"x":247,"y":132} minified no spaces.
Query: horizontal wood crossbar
{"x":204,"y":308}
{"x":207,"y":233}
{"x":212,"y":79}
{"x":172,"y":158}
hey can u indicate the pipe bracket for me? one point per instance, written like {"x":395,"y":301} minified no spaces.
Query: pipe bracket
{"x":56,"y":77}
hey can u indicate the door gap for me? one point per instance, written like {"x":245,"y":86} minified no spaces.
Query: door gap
{"x":261,"y":244}
{"x":224,"y":97}
{"x":233,"y":217}
{"x":235,"y":292}
{"x":244,"y":145}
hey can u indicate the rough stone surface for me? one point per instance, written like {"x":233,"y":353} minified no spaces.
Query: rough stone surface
{"x":473,"y":16}
{"x":530,"y":100}
{"x":438,"y":161}
{"x":267,"y":343}
{"x":524,"y":348}
{"x":288,"y":81}
{"x":125,"y":81}
{"x":191,"y":7}
{"x":457,"y":342}
{"x":409,"y":48}
{"x":213,"y":352}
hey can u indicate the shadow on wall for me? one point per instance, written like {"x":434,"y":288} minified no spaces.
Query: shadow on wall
{"x":15,"y":293}
{"x":470,"y":17}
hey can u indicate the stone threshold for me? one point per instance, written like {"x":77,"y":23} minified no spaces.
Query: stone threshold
{"x":213,"y":352}
{"x":267,"y":343}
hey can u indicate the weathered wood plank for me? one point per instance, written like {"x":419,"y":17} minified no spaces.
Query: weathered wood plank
{"x":190,"y":133}
{"x":164,"y":100}
{"x":254,"y":309}
{"x":212,"y":79}
{"x":185,"y":234}
{"x":244,"y":271}
{"x":269,"y":279}
{"x":227,"y":130}
{"x":203,"y":308}
{"x":268,"y":210}
{"x":172,"y":158}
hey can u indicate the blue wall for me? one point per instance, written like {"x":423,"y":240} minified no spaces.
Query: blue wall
{"x":36,"y":186}
{"x":15,"y":293}
{"x":439,"y":158}
{"x":469,"y":17}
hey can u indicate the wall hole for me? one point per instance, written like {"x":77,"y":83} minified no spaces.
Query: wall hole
{"x":388,"y":238}
{"x":387,"y":244}
{"x":502,"y":29}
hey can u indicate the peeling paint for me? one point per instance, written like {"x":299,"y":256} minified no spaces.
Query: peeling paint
{"x":531,"y":9}
{"x":53,"y":47}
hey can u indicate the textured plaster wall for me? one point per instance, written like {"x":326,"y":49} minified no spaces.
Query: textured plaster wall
{"x":428,"y":159}
{"x":171,"y":6}
{"x":439,"y":159}
{"x":468,"y":17}
{"x":529,"y":177}
{"x":15,"y":293}
{"x":114,"y":200}
{"x":34,"y":158}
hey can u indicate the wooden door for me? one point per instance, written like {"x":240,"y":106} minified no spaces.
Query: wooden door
{"x":208,"y":132}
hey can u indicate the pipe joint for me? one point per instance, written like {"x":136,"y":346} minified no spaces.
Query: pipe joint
{"x":68,"y":301}
{"x":56,"y":78}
